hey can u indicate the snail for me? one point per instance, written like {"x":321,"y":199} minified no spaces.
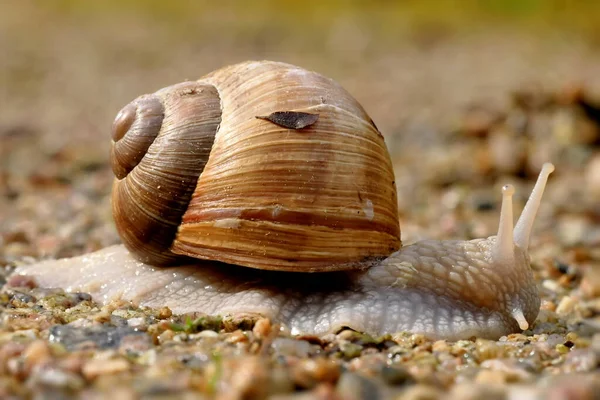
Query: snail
{"x":265,"y":189}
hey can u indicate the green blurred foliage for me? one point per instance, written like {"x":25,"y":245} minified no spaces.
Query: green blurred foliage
{"x":580,"y":15}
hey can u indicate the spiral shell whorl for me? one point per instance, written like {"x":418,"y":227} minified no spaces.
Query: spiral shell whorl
{"x":135,"y":128}
{"x":161,"y":143}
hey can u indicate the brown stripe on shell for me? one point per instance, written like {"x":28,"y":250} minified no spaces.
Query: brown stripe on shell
{"x":308,"y":218}
{"x":284,"y":247}
{"x":149,"y":202}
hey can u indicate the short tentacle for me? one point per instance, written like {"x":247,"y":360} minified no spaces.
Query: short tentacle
{"x":504,"y":247}
{"x":520,"y":318}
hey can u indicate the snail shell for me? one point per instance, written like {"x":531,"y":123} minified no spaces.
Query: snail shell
{"x":260,"y":164}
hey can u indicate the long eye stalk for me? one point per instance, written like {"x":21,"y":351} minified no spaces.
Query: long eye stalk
{"x":525,"y":224}
{"x":507,"y":236}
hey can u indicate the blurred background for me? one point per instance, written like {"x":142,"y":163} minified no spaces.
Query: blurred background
{"x":469,"y":94}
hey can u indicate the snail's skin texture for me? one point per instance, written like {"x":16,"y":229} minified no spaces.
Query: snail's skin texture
{"x":442,"y":289}
{"x":387,"y":298}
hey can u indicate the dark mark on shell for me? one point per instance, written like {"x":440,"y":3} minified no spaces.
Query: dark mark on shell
{"x":291,"y":119}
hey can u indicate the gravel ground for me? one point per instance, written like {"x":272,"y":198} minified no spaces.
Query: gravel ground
{"x":462,"y":115}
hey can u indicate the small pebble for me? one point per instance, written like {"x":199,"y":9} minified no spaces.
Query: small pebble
{"x":164,"y":313}
{"x":57,"y":378}
{"x":262,"y":328}
{"x":353,"y":386}
{"x":138,"y":323}
{"x":95,"y":368}
{"x":166,"y":336}
{"x":37,"y":353}
{"x":237,"y":336}
{"x":291,"y":347}
{"x":72,"y":363}
{"x":8,"y":351}
{"x":561,"y":349}
{"x":554,"y":340}
{"x":551,"y":285}
{"x":487,"y":349}
{"x":566,"y":306}
{"x":104,"y":337}
{"x":396,"y":375}
{"x":440,"y":346}
{"x":548,"y":305}
{"x":21,"y":281}
{"x":576,"y":387}
{"x":421,"y":392}
{"x":204,"y":334}
{"x":595,"y":345}
{"x":349,"y":349}
{"x":281,"y":381}
{"x":308,"y":372}
{"x":134,"y":343}
{"x":592,"y":177}
{"x":510,"y":370}
{"x":19,"y":299}
{"x":488,"y":390}
{"x":581,"y":360}
{"x":572,"y":230}
{"x":249,"y":379}
{"x":590,"y":284}
{"x":490,"y":377}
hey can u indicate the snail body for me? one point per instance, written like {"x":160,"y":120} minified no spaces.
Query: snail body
{"x":287,"y":172}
